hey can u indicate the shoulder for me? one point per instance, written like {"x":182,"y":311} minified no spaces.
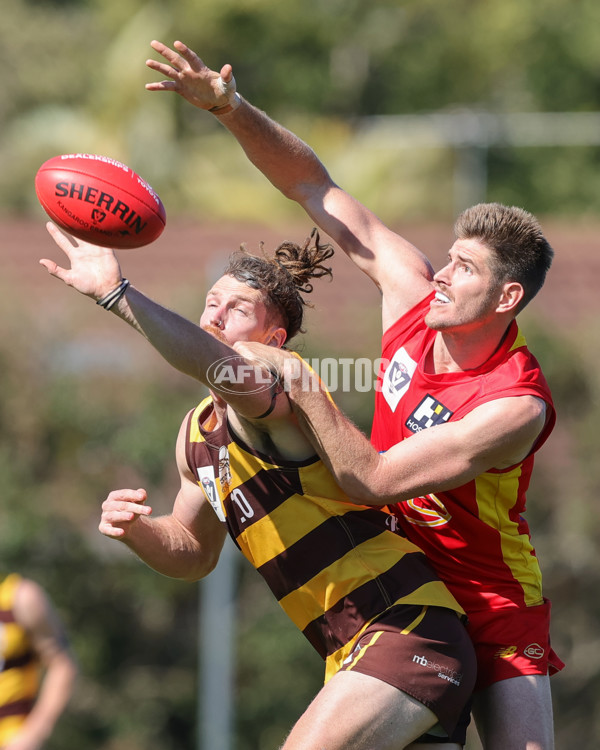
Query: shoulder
{"x":511,"y":426}
{"x":523,"y":409}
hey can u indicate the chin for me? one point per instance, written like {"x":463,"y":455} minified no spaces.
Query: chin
{"x":431,"y":321}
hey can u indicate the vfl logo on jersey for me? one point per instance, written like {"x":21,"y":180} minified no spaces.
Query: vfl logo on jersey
{"x":207,"y":481}
{"x":427,"y":414}
{"x":397,"y":377}
{"x":425,"y":511}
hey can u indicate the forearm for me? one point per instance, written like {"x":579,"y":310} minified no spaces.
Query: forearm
{"x":437,"y":459}
{"x":54,"y":695}
{"x":287,"y":162}
{"x":194,"y":352}
{"x":183,"y":344}
{"x":344,"y":449}
{"x":167,"y":547}
{"x":390,"y":261}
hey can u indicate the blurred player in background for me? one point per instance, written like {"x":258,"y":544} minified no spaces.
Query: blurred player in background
{"x":461,"y":384}
{"x":37,"y":670}
{"x":398,"y":660}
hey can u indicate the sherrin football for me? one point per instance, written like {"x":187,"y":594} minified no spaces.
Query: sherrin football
{"x":98,"y":199}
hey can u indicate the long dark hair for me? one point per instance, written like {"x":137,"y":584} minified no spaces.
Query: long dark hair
{"x":284,"y":277}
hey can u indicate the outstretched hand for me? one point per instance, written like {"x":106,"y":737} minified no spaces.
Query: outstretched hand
{"x":191,"y":78}
{"x":94,"y":270}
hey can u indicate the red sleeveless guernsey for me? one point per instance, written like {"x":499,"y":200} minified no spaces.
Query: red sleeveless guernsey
{"x":475,"y":535}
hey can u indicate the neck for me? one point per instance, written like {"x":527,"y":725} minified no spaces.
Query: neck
{"x":220,"y":406}
{"x":461,"y":352}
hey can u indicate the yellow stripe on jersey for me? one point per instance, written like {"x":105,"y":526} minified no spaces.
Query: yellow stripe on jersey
{"x":327,"y":588}
{"x":519,"y":341}
{"x":8,"y":588}
{"x":285,"y":525}
{"x":318,"y":481}
{"x":244,"y":466}
{"x":516,"y":547}
{"x":195,"y":434}
{"x":336,"y":581}
{"x":19,"y":683}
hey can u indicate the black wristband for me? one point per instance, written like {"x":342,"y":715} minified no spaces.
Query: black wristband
{"x":114,"y":296}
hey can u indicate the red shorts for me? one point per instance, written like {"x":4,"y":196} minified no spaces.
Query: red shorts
{"x":512,"y":642}
{"x":426,"y":653}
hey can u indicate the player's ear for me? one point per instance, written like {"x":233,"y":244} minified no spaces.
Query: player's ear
{"x":276,"y":337}
{"x":510,"y":297}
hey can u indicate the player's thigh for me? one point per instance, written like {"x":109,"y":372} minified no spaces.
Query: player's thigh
{"x":515,"y":713}
{"x":360,"y":712}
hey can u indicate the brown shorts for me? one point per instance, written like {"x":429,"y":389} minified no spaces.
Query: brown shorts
{"x":426,"y":653}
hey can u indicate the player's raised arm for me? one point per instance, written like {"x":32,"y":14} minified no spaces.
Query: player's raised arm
{"x":433,"y":460}
{"x":401,"y":271}
{"x":95,"y":272}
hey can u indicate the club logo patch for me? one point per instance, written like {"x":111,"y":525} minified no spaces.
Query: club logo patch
{"x":427,"y":414}
{"x":224,"y":469}
{"x":534,"y":651}
{"x":207,"y":481}
{"x":397,"y":377}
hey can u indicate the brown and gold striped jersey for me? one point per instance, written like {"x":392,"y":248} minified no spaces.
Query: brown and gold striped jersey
{"x":19,"y":666}
{"x":333,"y":566}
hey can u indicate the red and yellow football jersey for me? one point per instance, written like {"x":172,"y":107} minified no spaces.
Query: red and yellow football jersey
{"x":475,"y":535}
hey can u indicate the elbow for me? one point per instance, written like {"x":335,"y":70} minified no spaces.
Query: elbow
{"x":372,"y":492}
{"x":201,"y":569}
{"x":309,"y":192}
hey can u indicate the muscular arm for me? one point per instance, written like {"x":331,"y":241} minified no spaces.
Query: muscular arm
{"x":35,"y":613}
{"x":95,"y":272}
{"x":185,"y":544}
{"x":400,"y":270}
{"x":495,"y":435}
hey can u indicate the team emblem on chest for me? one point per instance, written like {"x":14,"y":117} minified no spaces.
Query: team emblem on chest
{"x":397,"y":377}
{"x":427,"y":414}
{"x":224,"y":469}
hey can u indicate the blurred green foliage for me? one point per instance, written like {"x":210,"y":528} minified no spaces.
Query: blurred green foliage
{"x":75,"y":73}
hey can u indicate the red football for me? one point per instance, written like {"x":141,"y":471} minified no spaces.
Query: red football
{"x":100,"y":200}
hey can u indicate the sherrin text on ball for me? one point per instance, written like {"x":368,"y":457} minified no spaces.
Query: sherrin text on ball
{"x":100,"y":200}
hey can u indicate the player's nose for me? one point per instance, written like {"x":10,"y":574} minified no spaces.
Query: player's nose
{"x":443,"y":275}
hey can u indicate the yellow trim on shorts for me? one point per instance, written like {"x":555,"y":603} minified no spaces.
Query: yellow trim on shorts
{"x":416,"y":622}
{"x":364,"y":649}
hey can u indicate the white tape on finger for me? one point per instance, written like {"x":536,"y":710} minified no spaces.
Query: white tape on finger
{"x":226,"y":87}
